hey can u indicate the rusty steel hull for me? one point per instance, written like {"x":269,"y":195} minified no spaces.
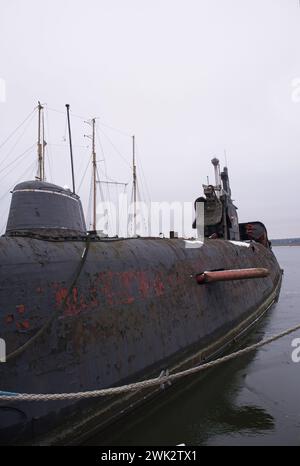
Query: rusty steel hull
{"x":135,"y":309}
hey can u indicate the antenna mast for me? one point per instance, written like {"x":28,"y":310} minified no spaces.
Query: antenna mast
{"x":40,"y":144}
{"x":94,"y":165}
{"x":134,"y":184}
{"x":94,"y":175}
{"x":71,"y":149}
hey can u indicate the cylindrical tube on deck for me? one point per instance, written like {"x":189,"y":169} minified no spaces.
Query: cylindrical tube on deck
{"x":229,"y":275}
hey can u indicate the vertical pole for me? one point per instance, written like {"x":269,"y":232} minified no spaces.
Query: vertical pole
{"x":43,"y":146}
{"x":94,"y":177}
{"x":39,"y":145}
{"x":71,"y":149}
{"x":134,"y":185}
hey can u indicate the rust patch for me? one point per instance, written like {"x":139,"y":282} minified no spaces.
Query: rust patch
{"x":114,"y":288}
{"x":105,"y":279}
{"x":144,"y":285}
{"x":60,"y":296}
{"x":20,"y":308}
{"x":158,"y":286}
{"x":23,"y":325}
{"x":127,"y":280}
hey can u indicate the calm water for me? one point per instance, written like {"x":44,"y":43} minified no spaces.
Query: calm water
{"x":250,"y":401}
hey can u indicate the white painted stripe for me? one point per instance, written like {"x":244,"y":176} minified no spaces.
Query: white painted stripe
{"x":240,"y":243}
{"x":45,"y":191}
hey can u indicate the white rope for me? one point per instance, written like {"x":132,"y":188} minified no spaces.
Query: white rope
{"x":164,"y":378}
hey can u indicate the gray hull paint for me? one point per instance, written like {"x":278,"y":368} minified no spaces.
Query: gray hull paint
{"x":135,"y":309}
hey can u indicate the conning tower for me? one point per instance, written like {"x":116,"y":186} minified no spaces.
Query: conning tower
{"x":220,"y":214}
{"x":45,"y":209}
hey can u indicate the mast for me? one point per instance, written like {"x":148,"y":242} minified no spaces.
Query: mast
{"x":40,"y":145}
{"x":94,"y":176}
{"x":43,"y":147}
{"x":71,"y":149}
{"x":95,"y":173}
{"x":134,"y":185}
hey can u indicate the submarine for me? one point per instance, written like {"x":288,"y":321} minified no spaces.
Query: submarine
{"x":81,"y":312}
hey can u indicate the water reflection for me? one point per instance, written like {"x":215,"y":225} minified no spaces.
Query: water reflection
{"x":250,"y":416}
{"x":194,"y":412}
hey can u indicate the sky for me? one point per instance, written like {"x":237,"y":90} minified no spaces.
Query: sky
{"x":189,"y":78}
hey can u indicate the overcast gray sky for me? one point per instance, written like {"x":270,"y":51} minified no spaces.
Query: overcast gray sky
{"x":189,"y":78}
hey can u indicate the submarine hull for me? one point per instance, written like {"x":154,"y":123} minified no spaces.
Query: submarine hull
{"x":130,"y":310}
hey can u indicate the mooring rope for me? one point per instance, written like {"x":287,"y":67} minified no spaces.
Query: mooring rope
{"x":164,"y":378}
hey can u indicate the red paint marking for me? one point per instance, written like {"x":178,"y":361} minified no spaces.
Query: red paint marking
{"x":127,"y":285}
{"x":93,"y":297}
{"x":128,"y":300}
{"x":105,"y":280}
{"x":20,"y":308}
{"x":144,"y":285}
{"x":25,"y":324}
{"x":159,"y":287}
{"x":60,"y":295}
{"x":75,"y":295}
{"x":74,"y":303}
{"x":115,"y":288}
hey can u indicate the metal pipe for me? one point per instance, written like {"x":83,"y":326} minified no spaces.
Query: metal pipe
{"x":71,"y":149}
{"x":94,"y":177}
{"x":229,"y":275}
{"x":39,"y":144}
{"x":134,"y":185}
{"x":216,"y":165}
